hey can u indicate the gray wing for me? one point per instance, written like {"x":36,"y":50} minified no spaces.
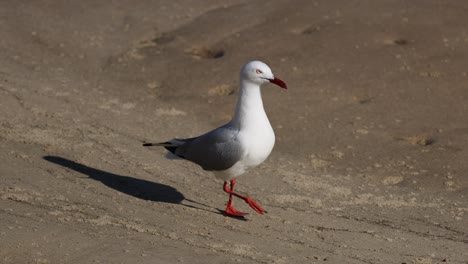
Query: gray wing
{"x":217,"y":150}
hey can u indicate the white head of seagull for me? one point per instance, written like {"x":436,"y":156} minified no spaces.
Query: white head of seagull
{"x":259,"y":73}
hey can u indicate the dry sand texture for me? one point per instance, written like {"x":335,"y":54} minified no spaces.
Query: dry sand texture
{"x":370,"y":164}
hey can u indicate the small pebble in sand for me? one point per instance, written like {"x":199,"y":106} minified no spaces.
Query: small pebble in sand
{"x":421,"y":139}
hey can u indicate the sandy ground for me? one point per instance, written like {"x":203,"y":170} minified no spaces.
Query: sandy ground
{"x":370,"y":163}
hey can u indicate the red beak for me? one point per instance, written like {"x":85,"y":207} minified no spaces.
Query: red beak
{"x":279,"y":82}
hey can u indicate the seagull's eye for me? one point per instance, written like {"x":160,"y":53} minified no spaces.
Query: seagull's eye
{"x":258,"y":71}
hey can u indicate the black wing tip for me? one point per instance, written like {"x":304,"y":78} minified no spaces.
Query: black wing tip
{"x":167,"y":145}
{"x":162,"y":144}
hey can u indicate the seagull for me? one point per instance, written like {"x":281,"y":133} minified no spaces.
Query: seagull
{"x":243,"y":143}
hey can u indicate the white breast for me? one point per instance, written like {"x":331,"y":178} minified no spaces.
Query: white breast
{"x":258,"y":144}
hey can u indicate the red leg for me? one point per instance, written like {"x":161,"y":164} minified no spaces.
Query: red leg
{"x":230,"y":210}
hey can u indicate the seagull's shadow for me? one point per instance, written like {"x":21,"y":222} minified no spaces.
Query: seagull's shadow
{"x":138,"y":188}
